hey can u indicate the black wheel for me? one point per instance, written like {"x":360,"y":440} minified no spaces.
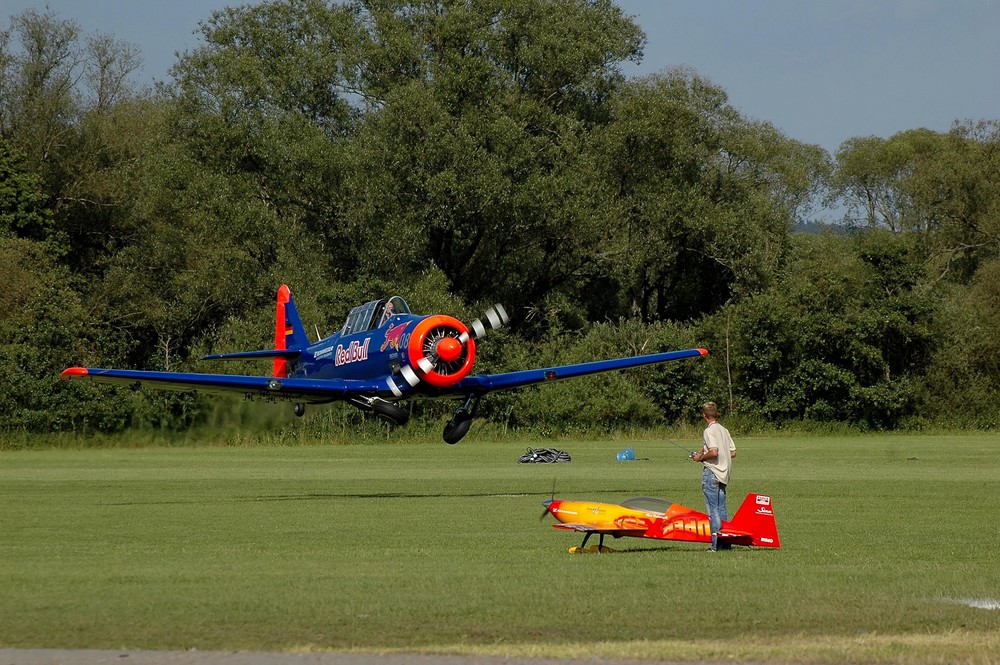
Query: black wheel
{"x":390,"y":413}
{"x":299,"y":409}
{"x":457,"y":427}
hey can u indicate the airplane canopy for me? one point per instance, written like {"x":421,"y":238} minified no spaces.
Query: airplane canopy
{"x":648,"y":504}
{"x":373,"y":314}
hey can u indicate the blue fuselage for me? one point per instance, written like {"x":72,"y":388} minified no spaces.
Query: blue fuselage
{"x":363,"y":355}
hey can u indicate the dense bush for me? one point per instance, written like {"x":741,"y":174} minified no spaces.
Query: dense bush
{"x":843,"y":335}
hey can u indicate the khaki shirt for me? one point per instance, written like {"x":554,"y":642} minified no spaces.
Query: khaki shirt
{"x":716,"y":436}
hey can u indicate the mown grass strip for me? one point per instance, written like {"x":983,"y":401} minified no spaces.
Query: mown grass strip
{"x":439,"y":548}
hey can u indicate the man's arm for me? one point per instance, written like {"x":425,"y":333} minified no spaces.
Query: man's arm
{"x":711,"y":453}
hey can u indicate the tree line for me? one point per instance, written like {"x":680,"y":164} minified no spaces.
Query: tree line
{"x":467,"y":152}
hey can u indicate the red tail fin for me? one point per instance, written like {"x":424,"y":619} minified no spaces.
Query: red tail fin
{"x":280,"y":329}
{"x":288,"y":330}
{"x":756,"y":517}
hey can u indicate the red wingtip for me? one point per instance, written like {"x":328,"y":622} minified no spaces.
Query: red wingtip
{"x":70,"y":372}
{"x":284,"y":294}
{"x":703,"y":352}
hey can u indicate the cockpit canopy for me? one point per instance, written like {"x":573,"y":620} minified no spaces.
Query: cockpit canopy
{"x":648,"y":504}
{"x":373,"y":314}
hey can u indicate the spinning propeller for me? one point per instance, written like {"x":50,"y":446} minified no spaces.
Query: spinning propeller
{"x":442,"y":349}
{"x":549,"y":502}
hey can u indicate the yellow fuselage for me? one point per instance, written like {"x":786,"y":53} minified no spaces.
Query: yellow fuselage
{"x":678,"y":522}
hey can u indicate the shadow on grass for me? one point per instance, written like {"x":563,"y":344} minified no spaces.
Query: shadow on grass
{"x":326,"y":496}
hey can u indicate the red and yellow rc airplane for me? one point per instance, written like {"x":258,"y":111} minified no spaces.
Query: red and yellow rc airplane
{"x":383,"y":354}
{"x":647,"y":517}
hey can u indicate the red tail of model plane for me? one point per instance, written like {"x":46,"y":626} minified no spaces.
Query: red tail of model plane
{"x":753,"y":520}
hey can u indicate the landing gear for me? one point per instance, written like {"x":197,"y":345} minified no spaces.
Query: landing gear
{"x":457,"y":427}
{"x":460,"y":422}
{"x":582,"y":549}
{"x":390,"y":413}
{"x":383,"y":410}
{"x":299,"y":409}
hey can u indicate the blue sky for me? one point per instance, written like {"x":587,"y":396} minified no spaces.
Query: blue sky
{"x":825,"y":71}
{"x":821,"y":71}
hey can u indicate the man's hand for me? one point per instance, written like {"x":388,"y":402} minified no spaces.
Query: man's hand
{"x":711,"y":453}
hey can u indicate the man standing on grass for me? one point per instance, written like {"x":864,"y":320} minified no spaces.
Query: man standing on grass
{"x":716,"y":455}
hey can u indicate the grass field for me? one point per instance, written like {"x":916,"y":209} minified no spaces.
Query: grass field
{"x":889,"y":552}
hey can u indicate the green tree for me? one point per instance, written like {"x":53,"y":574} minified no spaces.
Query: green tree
{"x":269,"y":97}
{"x":44,"y":328}
{"x":23,"y":212}
{"x":207,"y":247}
{"x":940,"y":187}
{"x":960,"y":189}
{"x":477,"y":159}
{"x":962,"y":383}
{"x":51,"y":75}
{"x":406,"y":135}
{"x":60,"y":106}
{"x":845,"y":334}
{"x":40,"y":58}
{"x":706,"y":197}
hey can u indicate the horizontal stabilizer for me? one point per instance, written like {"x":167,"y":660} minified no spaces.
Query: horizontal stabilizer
{"x":313,"y":391}
{"x":732,"y":537}
{"x":243,"y":355}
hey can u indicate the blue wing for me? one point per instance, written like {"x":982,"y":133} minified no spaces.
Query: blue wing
{"x":328,"y":390}
{"x":485,"y":383}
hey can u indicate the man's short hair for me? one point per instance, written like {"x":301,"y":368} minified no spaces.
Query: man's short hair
{"x":710,"y":410}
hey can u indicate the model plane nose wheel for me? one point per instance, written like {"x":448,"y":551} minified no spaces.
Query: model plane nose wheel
{"x":457,"y":427}
{"x":299,"y":409}
{"x":460,"y":422}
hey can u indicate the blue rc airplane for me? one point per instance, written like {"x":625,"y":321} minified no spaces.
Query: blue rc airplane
{"x":383,"y":354}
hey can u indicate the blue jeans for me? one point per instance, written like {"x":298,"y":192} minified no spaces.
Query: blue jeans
{"x":715,"y":499}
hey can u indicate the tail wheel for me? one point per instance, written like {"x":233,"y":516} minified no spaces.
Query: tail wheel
{"x":445,"y":342}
